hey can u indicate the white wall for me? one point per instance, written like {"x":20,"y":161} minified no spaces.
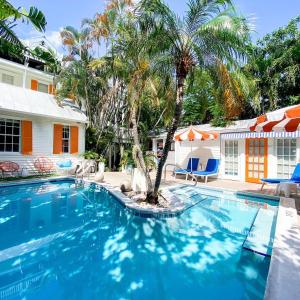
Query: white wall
{"x":202,"y":149}
{"x":272,"y":160}
{"x":211,"y":149}
{"x":42,"y":142}
{"x":18,"y":71}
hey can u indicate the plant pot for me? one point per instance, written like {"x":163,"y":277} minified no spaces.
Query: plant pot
{"x":138,"y":181}
{"x":101,"y":167}
{"x":128,"y":169}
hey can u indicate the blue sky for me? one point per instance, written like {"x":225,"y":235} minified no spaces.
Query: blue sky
{"x":267,"y":15}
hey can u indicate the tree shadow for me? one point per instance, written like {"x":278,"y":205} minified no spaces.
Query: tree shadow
{"x":96,"y":248}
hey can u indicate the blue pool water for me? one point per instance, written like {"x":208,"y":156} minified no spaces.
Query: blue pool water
{"x":62,"y":242}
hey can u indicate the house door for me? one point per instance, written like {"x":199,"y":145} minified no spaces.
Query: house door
{"x":256,"y":159}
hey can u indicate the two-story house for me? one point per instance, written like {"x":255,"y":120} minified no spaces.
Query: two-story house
{"x":32,"y":123}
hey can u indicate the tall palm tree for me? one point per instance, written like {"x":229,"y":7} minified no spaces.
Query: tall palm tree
{"x":9,"y":15}
{"x":210,"y":32}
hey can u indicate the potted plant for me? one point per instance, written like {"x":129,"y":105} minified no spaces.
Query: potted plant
{"x":98,"y":159}
{"x":127,"y":162}
{"x":101,"y":163}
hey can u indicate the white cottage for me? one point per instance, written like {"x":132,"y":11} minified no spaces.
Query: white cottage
{"x":32,"y":123}
{"x":244,"y":155}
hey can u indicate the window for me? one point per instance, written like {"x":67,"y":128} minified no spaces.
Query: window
{"x":7,"y":78}
{"x":286,"y":157}
{"x":66,"y":139}
{"x":43,"y":87}
{"x":9,"y":135}
{"x":231,"y":158}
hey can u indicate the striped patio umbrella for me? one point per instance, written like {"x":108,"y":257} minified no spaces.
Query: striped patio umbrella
{"x":193,"y":134}
{"x":285,"y":119}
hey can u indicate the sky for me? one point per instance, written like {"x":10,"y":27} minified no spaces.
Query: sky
{"x":266,"y":15}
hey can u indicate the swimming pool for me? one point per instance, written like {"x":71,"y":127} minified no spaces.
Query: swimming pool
{"x":62,"y":242}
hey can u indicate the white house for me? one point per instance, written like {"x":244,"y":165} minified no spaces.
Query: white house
{"x":32,"y":123}
{"x":244,"y":155}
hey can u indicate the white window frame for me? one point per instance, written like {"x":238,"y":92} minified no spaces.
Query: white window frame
{"x":66,"y":139}
{"x":282,"y":154}
{"x":45,"y":84}
{"x":12,"y":135}
{"x":8,"y":75}
{"x":233,"y":160}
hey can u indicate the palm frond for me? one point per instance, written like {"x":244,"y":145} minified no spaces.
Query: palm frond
{"x":7,"y":33}
{"x":36,"y":17}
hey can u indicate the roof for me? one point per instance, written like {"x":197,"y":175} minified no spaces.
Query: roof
{"x":25,"y":101}
{"x":235,"y":126}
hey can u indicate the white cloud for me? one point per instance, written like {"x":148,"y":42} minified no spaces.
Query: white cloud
{"x":51,"y":38}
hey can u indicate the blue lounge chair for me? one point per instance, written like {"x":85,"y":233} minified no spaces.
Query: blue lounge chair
{"x":294,"y":179}
{"x":212,"y":169}
{"x":192,"y":166}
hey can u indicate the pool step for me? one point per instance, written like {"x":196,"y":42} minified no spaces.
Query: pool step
{"x":260,"y":236}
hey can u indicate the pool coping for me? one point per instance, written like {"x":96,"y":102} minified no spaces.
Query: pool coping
{"x":284,"y":271}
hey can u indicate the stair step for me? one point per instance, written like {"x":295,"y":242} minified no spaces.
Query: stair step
{"x":261,"y":234}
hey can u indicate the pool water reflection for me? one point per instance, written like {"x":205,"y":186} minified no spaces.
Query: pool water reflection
{"x":62,"y":242}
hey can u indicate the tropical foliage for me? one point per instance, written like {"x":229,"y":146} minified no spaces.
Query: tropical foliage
{"x":9,"y":16}
{"x":157,"y":70}
{"x":276,"y":64}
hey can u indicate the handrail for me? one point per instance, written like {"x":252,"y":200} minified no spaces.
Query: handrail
{"x":165,"y":171}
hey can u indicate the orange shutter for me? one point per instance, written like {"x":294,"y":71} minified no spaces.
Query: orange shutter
{"x":50,"y":89}
{"x":26,"y":137}
{"x":74,"y":140}
{"x":57,"y":138}
{"x":34,"y":84}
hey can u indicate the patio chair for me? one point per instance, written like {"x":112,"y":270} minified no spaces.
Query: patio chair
{"x":294,"y":179}
{"x":10,"y":167}
{"x":212,"y":169}
{"x":191,"y":166}
{"x":43,"y":165}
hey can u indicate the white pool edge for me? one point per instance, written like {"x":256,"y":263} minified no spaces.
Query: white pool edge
{"x":283,"y":282}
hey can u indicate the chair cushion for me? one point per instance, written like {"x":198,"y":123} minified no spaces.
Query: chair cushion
{"x":204,"y":173}
{"x":182,"y":171}
{"x":65,"y":164}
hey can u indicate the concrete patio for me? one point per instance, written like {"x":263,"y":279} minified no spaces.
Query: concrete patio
{"x":116,"y":178}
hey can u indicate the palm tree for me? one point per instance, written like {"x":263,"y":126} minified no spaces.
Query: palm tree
{"x":210,"y":32}
{"x":130,"y":65}
{"x":8,"y":16}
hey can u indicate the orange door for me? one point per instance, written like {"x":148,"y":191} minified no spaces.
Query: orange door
{"x":256,"y":159}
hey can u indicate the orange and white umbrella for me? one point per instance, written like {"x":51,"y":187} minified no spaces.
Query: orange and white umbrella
{"x":285,"y":119}
{"x":193,"y":134}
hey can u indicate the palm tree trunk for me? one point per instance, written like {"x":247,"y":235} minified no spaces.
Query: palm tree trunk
{"x":137,"y":150}
{"x":171,"y":132}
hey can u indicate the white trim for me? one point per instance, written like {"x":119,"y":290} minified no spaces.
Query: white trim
{"x":245,"y":135}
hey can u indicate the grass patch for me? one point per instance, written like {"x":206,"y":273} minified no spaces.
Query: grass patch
{"x":13,"y":178}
